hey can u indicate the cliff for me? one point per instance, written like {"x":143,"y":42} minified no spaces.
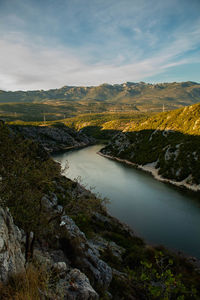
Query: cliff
{"x":54,"y":138}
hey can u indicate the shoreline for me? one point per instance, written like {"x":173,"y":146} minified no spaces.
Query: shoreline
{"x":150,"y":168}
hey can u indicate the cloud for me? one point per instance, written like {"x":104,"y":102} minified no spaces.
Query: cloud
{"x":107,"y":41}
{"x":26,"y":65}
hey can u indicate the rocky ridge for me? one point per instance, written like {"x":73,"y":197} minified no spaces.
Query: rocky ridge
{"x":54,"y":138}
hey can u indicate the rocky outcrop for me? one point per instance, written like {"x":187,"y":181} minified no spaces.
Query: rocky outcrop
{"x":78,"y":287}
{"x":12,"y":260}
{"x":54,"y":138}
{"x":72,"y":239}
{"x":70,"y":284}
{"x":67,"y":283}
{"x":85,"y":255}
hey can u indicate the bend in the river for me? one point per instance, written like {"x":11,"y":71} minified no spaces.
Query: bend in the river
{"x":158,"y":212}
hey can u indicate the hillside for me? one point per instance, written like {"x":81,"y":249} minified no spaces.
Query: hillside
{"x":185,"y":120}
{"x":70,"y":101}
{"x":53,"y":138}
{"x":72,"y":247}
{"x":167,"y":145}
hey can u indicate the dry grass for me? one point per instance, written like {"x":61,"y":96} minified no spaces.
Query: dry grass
{"x":30,"y":285}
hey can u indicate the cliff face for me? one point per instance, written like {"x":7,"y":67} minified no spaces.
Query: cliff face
{"x":12,"y":260}
{"x":54,"y":138}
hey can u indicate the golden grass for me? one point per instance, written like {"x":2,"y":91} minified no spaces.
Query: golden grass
{"x":29,"y":285}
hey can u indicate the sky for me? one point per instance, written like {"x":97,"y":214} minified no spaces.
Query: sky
{"x":48,"y":44}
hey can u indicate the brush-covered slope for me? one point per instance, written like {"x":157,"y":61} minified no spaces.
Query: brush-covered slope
{"x":169,"y":141}
{"x":185,"y":120}
{"x":71,"y":100}
{"x":78,"y":250}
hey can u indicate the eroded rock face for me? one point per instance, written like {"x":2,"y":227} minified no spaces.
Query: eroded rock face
{"x":85,"y":255}
{"x":69,"y":283}
{"x":12,"y":260}
{"x":54,"y":138}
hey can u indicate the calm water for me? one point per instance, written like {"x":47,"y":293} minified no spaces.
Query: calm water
{"x":158,"y":212}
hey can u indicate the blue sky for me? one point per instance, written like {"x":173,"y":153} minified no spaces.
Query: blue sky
{"x":51,"y":43}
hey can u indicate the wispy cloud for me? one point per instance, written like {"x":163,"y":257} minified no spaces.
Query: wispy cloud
{"x":107,"y":42}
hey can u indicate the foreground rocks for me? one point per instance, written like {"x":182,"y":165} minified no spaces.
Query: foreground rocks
{"x":84,"y":254}
{"x":12,"y":260}
{"x":69,"y":237}
{"x":68,"y":283}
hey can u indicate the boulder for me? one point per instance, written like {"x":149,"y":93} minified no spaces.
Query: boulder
{"x":78,"y":287}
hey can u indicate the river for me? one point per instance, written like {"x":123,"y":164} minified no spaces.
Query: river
{"x":156,"y":211}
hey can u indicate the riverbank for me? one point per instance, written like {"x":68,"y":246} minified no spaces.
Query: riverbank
{"x":150,"y":168}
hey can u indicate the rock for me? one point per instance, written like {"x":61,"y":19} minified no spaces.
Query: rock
{"x":78,"y":287}
{"x":53,"y":138}
{"x":12,"y":260}
{"x":60,"y":267}
{"x":101,"y":245}
{"x":49,"y":201}
{"x":43,"y":258}
{"x":84,"y":255}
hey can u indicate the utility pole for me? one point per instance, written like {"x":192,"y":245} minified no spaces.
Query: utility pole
{"x":163,"y":107}
{"x":44,"y":117}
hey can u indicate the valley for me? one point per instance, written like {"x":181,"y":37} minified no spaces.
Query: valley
{"x":73,"y":223}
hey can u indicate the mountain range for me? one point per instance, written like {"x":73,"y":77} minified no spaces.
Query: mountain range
{"x":69,"y":101}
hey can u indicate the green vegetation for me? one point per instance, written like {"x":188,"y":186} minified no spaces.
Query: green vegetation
{"x":185,"y":120}
{"x":144,"y":271}
{"x":160,"y":280}
{"x":99,"y":125}
{"x":175,"y":154}
{"x":27,"y":173}
{"x":170,"y":140}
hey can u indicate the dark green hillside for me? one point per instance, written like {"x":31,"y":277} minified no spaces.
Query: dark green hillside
{"x":171,"y":141}
{"x":71,"y":100}
{"x":175,"y":155}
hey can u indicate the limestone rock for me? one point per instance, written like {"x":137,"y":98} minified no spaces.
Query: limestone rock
{"x":101,"y":245}
{"x":60,"y":267}
{"x":85,"y":256}
{"x":12,"y":260}
{"x":54,"y":138}
{"x":78,"y":287}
